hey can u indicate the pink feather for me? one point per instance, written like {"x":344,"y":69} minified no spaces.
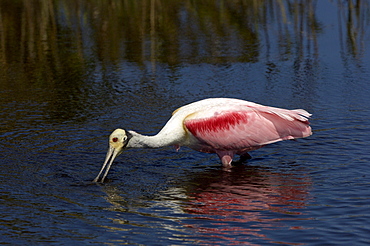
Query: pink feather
{"x":236,"y":130}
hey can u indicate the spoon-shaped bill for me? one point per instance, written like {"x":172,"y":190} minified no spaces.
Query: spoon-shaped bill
{"x":111,"y":154}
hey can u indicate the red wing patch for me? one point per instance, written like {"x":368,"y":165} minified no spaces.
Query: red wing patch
{"x":243,"y":130}
{"x":221,"y":122}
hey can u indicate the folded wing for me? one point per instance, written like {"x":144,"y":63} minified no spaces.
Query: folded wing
{"x":245,"y":128}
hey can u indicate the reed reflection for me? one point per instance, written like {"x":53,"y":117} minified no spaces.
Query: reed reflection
{"x":67,"y":57}
{"x":167,"y":31}
{"x":353,"y":18}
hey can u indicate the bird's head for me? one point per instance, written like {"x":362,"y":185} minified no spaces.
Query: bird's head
{"x":117,"y":143}
{"x":118,"y":140}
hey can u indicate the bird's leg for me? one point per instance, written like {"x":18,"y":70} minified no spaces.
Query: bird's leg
{"x":226,"y":158}
{"x":177,"y":147}
{"x":244,"y":157}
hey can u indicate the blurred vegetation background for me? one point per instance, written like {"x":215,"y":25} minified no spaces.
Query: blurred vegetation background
{"x":53,"y":35}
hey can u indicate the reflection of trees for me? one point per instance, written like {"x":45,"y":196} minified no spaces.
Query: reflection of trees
{"x":166,"y":30}
{"x":353,"y":18}
{"x":62,"y":44}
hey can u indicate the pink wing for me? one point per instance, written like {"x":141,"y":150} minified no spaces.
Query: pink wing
{"x":246,"y":128}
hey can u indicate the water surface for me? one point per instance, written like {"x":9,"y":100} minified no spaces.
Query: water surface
{"x":71,"y":73}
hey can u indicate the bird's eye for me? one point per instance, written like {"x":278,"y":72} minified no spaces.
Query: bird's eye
{"x":124,"y":138}
{"x":114,"y":139}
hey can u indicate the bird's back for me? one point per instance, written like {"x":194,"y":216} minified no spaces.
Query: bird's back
{"x":232,"y":124}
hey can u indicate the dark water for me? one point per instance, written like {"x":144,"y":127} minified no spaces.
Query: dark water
{"x":73,"y":71}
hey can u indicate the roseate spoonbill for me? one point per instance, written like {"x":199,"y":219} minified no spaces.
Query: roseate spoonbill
{"x":223,"y":126}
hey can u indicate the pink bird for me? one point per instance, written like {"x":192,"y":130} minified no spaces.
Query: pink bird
{"x":223,"y":126}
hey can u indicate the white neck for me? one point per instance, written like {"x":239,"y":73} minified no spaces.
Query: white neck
{"x":160,"y":140}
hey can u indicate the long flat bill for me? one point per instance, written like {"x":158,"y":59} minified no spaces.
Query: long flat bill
{"x":111,"y":154}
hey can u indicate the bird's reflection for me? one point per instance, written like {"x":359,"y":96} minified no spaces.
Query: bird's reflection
{"x":219,"y":205}
{"x":247,"y":188}
{"x":245,"y":201}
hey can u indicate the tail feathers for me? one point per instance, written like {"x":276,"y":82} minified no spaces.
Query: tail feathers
{"x":302,"y":112}
{"x":291,"y":115}
{"x":295,"y":123}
